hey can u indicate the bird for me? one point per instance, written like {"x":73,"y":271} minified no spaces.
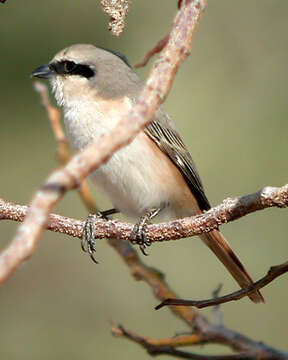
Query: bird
{"x":152,"y":177}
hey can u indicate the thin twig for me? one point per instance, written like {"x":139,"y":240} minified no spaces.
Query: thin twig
{"x":218,"y":316}
{"x":70,"y":177}
{"x":273,"y":273}
{"x":155,"y":50}
{"x":178,"y":340}
{"x":54,"y":120}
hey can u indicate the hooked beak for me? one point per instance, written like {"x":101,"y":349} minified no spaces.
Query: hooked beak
{"x":43,"y":72}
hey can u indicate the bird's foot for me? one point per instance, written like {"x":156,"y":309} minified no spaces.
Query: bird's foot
{"x":138,"y":234}
{"x":88,"y":234}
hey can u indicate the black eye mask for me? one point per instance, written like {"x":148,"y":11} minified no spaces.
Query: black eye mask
{"x":71,"y":68}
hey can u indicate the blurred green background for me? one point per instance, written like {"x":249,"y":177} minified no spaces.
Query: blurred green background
{"x":229,"y":101}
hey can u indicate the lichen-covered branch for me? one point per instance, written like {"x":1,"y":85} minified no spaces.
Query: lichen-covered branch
{"x":117,"y":11}
{"x":229,"y":210}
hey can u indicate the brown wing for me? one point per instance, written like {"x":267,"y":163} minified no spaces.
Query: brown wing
{"x":170,"y":143}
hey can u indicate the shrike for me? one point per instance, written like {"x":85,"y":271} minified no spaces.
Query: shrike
{"x":153,"y":175}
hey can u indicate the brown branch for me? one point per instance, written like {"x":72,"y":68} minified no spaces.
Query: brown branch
{"x":53,"y":113}
{"x":117,"y":11}
{"x":155,"y":348}
{"x":153,"y":94}
{"x":203,"y":331}
{"x":178,"y":340}
{"x":273,"y":273}
{"x":63,"y":154}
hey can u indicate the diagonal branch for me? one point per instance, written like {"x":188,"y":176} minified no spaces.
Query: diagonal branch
{"x":155,"y":50}
{"x":153,"y":94}
{"x":63,"y":154}
{"x":273,"y":273}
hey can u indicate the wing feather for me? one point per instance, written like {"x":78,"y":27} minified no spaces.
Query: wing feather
{"x":170,"y":142}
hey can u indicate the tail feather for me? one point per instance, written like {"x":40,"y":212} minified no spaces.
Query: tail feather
{"x":220,"y":247}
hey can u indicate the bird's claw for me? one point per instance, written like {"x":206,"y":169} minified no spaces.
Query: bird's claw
{"x":138,"y":237}
{"x":88,"y":235}
{"x":138,"y":234}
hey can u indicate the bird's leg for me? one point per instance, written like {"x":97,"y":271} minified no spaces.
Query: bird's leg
{"x":137,"y":235}
{"x":88,"y":234}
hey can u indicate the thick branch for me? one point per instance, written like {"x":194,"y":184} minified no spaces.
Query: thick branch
{"x":229,"y":210}
{"x":154,"y":92}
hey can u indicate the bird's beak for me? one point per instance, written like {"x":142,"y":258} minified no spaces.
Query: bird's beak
{"x":43,"y":72}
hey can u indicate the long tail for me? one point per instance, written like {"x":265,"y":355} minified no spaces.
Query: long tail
{"x":220,"y":247}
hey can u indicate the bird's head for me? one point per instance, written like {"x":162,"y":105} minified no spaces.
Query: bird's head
{"x":81,"y":72}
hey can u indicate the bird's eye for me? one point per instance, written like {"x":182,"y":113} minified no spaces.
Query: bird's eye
{"x":69,"y":66}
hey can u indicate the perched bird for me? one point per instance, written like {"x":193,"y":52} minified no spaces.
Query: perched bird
{"x":154,"y":174}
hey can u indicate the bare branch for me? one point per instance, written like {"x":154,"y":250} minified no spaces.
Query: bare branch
{"x":166,"y":347}
{"x":178,"y":340}
{"x":54,"y":119}
{"x":154,"y":92}
{"x":273,"y":273}
{"x":63,"y":154}
{"x":203,"y":331}
{"x":117,"y":10}
{"x":155,"y":50}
